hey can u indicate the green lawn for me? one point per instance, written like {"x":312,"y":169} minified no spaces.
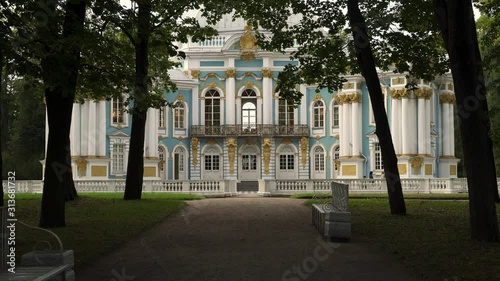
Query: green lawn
{"x":97,"y":222}
{"x":434,"y":237}
{"x":432,"y":196}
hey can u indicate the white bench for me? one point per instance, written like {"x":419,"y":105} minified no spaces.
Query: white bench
{"x":333,"y":220}
{"x":36,"y":265}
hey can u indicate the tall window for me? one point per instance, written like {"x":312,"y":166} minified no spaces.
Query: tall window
{"x":379,"y":165}
{"x":335,"y":113}
{"x":336,"y":157}
{"x":286,"y":113}
{"x":118,"y":157}
{"x":249,"y":162}
{"x":161,"y":155}
{"x":319,"y":114}
{"x":249,"y":109}
{"x":117,"y":110}
{"x":287,"y":159}
{"x":161,"y":117}
{"x":319,"y":159}
{"x":212,"y":108}
{"x":179,"y":115}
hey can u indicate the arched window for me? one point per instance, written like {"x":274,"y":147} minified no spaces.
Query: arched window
{"x":178,"y":165}
{"x":249,"y":109}
{"x":212,"y":108}
{"x":319,"y":114}
{"x":335,"y":114}
{"x":286,"y":113}
{"x":161,"y":117}
{"x":179,"y":115}
{"x":319,"y":159}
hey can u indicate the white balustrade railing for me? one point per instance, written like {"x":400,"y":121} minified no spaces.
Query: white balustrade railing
{"x":216,"y":41}
{"x":458,"y":185}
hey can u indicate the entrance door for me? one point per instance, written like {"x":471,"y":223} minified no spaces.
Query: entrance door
{"x":179,"y":164}
{"x":249,"y":167}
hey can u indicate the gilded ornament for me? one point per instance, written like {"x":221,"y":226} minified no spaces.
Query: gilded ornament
{"x":248,"y":40}
{"x":317,"y":97}
{"x":194,"y":148}
{"x":212,"y":85}
{"x":180,"y":97}
{"x":303,"y":149}
{"x":231,"y":148}
{"x":355,"y":98}
{"x":450,"y":86}
{"x":195,"y":74}
{"x":348,"y":86}
{"x":230,"y":73}
{"x":267,"y":72}
{"x":247,"y":55}
{"x":416,"y":164}
{"x":249,"y":84}
{"x":267,"y":143}
{"x":81,"y":165}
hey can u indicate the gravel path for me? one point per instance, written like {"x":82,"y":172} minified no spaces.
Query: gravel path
{"x":247,"y":239}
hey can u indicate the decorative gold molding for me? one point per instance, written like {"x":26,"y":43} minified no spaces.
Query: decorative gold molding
{"x":286,"y":141}
{"x":230,"y":72}
{"x":248,"y":40}
{"x":317,"y":97}
{"x":416,"y":164}
{"x":249,"y":84}
{"x":231,"y":147}
{"x":81,"y":165}
{"x":195,"y":74}
{"x":180,"y":97}
{"x":194,"y":148}
{"x":212,"y":85}
{"x":398,"y":81}
{"x":247,"y":55}
{"x":267,"y":143}
{"x":447,"y":98}
{"x":399,"y":93}
{"x":179,"y":138}
{"x":348,"y":86}
{"x":211,"y":141}
{"x":303,"y":148}
{"x":451,"y":87}
{"x":337,"y":136}
{"x":424,"y":93}
{"x":267,"y":72}
{"x":355,"y":97}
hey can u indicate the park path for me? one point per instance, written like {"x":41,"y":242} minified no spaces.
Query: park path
{"x":242,"y":239}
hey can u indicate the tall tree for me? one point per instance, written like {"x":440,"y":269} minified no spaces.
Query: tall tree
{"x":366,"y":62}
{"x":60,"y":67}
{"x":458,"y":29}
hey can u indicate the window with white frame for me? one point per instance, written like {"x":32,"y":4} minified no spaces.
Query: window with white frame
{"x":287,"y":159}
{"x":336,"y":156}
{"x":335,"y":115}
{"x":286,"y":113}
{"x":118,"y":158}
{"x":212,"y":162}
{"x":377,"y":154}
{"x":161,"y":117}
{"x":212,"y":108}
{"x":319,"y":159}
{"x":318,"y":114}
{"x":118,"y":114}
{"x":161,"y":156}
{"x":179,"y":115}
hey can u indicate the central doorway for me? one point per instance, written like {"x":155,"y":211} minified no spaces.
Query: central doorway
{"x":249,"y":168}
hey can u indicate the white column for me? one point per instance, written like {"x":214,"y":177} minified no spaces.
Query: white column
{"x":101,"y":143}
{"x":75,"y":130}
{"x":343,"y":129}
{"x":446,"y":129}
{"x":348,"y":129}
{"x":195,"y":109}
{"x":84,"y":112}
{"x":230,"y":97}
{"x":428,"y":126}
{"x":152,"y":133}
{"x":396,"y":124}
{"x":356,"y":128}
{"x":422,"y":124}
{"x":91,"y":133}
{"x":303,"y":106}
{"x":451,"y":130}
{"x":405,"y":122}
{"x":267,"y":88}
{"x":413,"y":125}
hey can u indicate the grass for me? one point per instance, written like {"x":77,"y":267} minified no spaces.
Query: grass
{"x":97,"y":222}
{"x":433,"y":239}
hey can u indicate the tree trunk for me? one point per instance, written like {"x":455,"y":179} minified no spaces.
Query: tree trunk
{"x":1,"y":127}
{"x":60,"y":72}
{"x":366,"y":62}
{"x":456,"y":21}
{"x":135,"y":168}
